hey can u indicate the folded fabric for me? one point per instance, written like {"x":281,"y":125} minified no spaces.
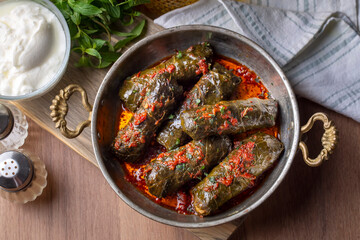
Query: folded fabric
{"x":316,"y":42}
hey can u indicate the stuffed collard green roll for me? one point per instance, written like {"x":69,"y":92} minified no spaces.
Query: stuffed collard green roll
{"x":159,"y":101}
{"x":183,"y":67}
{"x":216,"y":85}
{"x":171,"y":170}
{"x":236,"y":173}
{"x":229,"y":117}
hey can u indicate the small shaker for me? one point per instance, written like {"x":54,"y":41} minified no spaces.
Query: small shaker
{"x":22,"y":176}
{"x":13,"y":127}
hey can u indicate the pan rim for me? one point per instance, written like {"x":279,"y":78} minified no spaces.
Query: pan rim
{"x":284,"y":171}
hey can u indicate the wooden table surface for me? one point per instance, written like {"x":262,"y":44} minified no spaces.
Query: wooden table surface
{"x":311,"y":203}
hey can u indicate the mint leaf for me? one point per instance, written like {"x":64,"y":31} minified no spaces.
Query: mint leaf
{"x":110,"y":56}
{"x":83,"y":62}
{"x":104,"y":64}
{"x":76,"y":18}
{"x":136,"y":31}
{"x":134,"y":3}
{"x":114,"y":11}
{"x":98,"y":43}
{"x":90,"y":31}
{"x":85,"y":40}
{"x":122,"y":34}
{"x":83,"y":8}
{"x":93,"y":52}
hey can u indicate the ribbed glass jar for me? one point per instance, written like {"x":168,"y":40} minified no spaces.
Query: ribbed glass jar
{"x":19,"y":131}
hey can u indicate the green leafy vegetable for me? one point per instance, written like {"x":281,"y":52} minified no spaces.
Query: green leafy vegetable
{"x":180,"y":166}
{"x":83,"y":8}
{"x":222,"y":109}
{"x":90,"y":24}
{"x":179,"y":55}
{"x":212,"y":179}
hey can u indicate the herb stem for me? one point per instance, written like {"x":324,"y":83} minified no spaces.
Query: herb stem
{"x":103,"y":26}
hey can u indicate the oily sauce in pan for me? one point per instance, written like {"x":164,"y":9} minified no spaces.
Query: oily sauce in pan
{"x":251,"y":86}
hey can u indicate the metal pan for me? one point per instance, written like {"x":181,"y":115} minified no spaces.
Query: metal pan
{"x":104,"y":114}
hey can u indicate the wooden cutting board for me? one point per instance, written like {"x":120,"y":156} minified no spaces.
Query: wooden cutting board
{"x":90,"y":79}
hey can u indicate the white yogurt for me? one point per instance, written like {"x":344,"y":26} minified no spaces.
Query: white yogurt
{"x":32,"y":47}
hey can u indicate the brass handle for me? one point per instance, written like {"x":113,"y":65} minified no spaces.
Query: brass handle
{"x":328,"y":140}
{"x":59,"y":109}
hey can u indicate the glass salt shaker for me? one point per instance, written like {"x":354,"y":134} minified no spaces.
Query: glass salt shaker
{"x":13,"y":127}
{"x":22,"y":176}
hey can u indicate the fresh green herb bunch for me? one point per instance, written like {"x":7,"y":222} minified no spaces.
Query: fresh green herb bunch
{"x":90,"y":22}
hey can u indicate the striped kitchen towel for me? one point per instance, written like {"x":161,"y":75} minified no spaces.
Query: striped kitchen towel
{"x":316,"y":42}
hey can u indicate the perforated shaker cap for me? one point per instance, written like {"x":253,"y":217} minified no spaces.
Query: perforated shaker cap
{"x":16,"y":171}
{"x":6,"y":121}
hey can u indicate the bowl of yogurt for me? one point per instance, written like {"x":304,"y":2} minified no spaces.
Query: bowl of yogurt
{"x":34,"y":48}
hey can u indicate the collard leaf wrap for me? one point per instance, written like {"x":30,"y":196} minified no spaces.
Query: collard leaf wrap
{"x":183,"y":67}
{"x":236,"y":173}
{"x":171,"y":170}
{"x":229,"y":117}
{"x":159,"y":101}
{"x":216,"y":85}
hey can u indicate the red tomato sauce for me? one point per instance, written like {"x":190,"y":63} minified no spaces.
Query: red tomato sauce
{"x":251,"y":86}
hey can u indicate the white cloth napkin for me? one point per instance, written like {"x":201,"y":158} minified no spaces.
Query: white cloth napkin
{"x":316,"y":42}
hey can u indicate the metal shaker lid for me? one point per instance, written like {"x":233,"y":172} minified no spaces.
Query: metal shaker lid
{"x":16,"y":171}
{"x":6,"y":121}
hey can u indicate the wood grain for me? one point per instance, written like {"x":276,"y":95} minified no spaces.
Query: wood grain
{"x":320,"y":203}
{"x":223,"y":231}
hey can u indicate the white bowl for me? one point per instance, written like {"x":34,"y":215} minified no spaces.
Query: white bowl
{"x":62,"y":68}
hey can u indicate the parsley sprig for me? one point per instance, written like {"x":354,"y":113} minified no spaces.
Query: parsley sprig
{"x":90,"y":23}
